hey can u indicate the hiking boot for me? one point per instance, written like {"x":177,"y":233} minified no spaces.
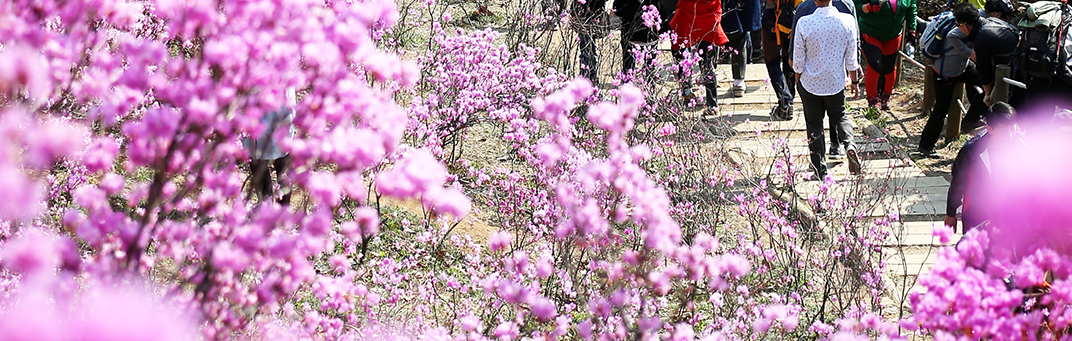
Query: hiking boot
{"x":712,"y":110}
{"x":837,"y":152}
{"x":813,"y":176}
{"x":854,"y":162}
{"x":782,"y":113}
{"x":738,"y":90}
{"x":967,"y":126}
{"x":925,"y":152}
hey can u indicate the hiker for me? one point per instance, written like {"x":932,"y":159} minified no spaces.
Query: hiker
{"x":824,"y":50}
{"x":776,"y":24}
{"x":590,"y":20}
{"x":953,"y":66}
{"x":634,"y":32}
{"x":265,"y":154}
{"x":696,"y":23}
{"x":993,"y":42}
{"x":738,"y":19}
{"x":1045,"y":53}
{"x":972,"y":169}
{"x":881,"y":32}
{"x":837,"y":151}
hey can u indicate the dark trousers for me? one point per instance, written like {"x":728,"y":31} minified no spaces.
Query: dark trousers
{"x":776,"y":56}
{"x":815,"y":109}
{"x":741,"y":43}
{"x":1045,"y":92}
{"x":943,"y":98}
{"x":708,"y":57}
{"x":589,"y":57}
{"x":261,"y":177}
{"x":628,"y":55}
{"x":633,"y":33}
{"x":756,"y":38}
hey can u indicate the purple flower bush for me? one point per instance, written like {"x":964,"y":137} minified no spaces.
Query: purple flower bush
{"x":128,"y":210}
{"x":1009,"y":278}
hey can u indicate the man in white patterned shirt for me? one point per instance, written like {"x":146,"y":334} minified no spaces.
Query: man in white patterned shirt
{"x":824,"y":50}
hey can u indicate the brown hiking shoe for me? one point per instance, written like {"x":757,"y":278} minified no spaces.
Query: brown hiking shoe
{"x":854,"y":162}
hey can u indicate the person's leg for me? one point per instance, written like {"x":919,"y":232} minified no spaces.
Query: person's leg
{"x":814,"y":110}
{"x":589,"y":57}
{"x":888,"y":69}
{"x":872,"y":51}
{"x":974,"y":92}
{"x":772,"y":59}
{"x":684,"y":77}
{"x":835,"y":134}
{"x":708,"y":62}
{"x":628,"y":58}
{"x":787,"y":70}
{"x":943,"y":96}
{"x":738,"y":46}
{"x":260,"y":180}
{"x":281,"y":165}
{"x":756,"y":40}
{"x":835,"y":109}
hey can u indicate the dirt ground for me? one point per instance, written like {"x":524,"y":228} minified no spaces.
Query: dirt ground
{"x":905,"y":121}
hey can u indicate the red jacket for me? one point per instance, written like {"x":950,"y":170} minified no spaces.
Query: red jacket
{"x":698,"y":20}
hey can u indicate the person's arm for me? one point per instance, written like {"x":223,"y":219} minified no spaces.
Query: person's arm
{"x":959,"y":183}
{"x":852,"y":61}
{"x":984,"y":60}
{"x":859,"y":6}
{"x":799,"y":50}
{"x":910,"y":18}
{"x":955,"y":39}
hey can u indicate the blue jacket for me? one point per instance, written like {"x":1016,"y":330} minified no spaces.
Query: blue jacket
{"x":740,"y":15}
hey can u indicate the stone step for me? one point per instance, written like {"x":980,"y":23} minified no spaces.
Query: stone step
{"x":765,"y":149}
{"x":911,"y":264}
{"x":918,"y":233}
{"x":876,"y":198}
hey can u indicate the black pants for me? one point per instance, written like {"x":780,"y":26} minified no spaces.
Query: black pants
{"x":1043,"y":94}
{"x":741,"y":43}
{"x":776,"y":56}
{"x":708,"y":61}
{"x":757,"y":42}
{"x":815,"y":109}
{"x":589,"y":56}
{"x":633,"y":33}
{"x":943,"y":98}
{"x":261,"y":177}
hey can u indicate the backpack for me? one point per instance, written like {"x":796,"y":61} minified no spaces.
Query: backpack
{"x":932,"y":43}
{"x":1044,"y":50}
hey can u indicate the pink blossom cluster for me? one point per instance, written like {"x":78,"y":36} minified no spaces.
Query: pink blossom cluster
{"x":147,"y":103}
{"x":1008,"y":278}
{"x":121,"y":128}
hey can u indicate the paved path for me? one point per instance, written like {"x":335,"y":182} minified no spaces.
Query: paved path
{"x":890,"y":183}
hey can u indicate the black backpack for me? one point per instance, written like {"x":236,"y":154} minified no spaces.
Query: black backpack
{"x":1044,"y":51}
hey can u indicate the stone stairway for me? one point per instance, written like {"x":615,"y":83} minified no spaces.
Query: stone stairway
{"x":891,"y":184}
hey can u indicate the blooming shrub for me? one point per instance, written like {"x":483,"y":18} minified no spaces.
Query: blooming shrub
{"x":1008,"y":279}
{"x":127,"y":194}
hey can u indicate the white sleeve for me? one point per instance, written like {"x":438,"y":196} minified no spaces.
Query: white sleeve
{"x":799,"y":50}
